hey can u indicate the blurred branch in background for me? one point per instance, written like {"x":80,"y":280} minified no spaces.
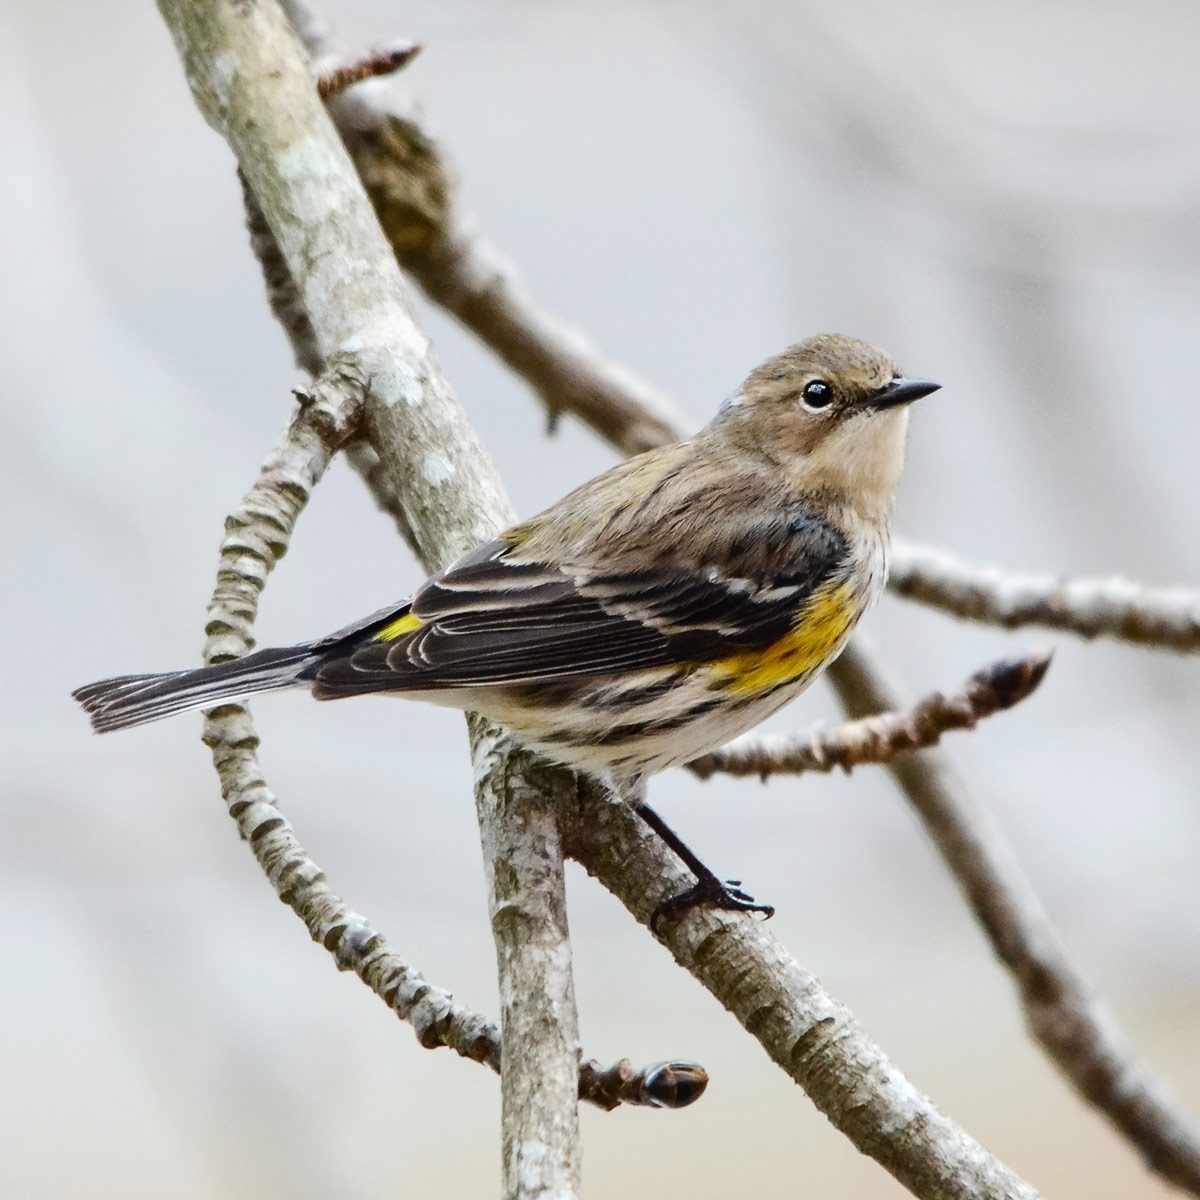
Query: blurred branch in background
{"x":1113,"y":608}
{"x":414,"y":192}
{"x":878,"y":738}
{"x":1062,"y":1010}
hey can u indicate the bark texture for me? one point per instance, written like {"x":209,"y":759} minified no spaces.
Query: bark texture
{"x":252,"y":83}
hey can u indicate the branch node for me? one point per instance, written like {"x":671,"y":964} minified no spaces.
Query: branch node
{"x":673,"y":1084}
{"x":1011,"y":680}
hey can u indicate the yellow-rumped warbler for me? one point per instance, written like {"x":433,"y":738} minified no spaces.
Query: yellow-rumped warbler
{"x":654,"y":613}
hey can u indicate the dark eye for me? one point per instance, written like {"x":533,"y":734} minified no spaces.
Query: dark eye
{"x":817,"y":395}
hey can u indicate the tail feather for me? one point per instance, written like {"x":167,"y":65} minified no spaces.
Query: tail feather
{"x":136,"y":699}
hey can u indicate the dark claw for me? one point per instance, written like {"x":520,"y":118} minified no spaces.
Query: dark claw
{"x":727,"y":895}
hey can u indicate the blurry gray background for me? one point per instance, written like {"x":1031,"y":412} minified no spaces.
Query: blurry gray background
{"x":1006,"y":198}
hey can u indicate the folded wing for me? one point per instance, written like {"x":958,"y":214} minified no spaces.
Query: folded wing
{"x":492,"y":619}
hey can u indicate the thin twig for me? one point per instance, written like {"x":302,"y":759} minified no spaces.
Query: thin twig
{"x":414,"y":192}
{"x":1110,"y":608}
{"x":335,"y":75}
{"x":1063,"y":1012}
{"x":674,"y":1084}
{"x":251,"y":82}
{"x":879,"y":738}
{"x":257,"y":536}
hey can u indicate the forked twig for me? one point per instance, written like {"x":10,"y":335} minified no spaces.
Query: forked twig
{"x":335,"y":75}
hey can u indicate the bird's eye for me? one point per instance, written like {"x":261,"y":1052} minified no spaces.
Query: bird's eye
{"x":816,"y":395}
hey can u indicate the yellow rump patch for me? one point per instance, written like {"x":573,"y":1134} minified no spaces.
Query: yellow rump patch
{"x":398,"y":628}
{"x":821,"y":625}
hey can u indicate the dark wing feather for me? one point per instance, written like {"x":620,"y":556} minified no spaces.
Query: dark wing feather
{"x":491,"y":620}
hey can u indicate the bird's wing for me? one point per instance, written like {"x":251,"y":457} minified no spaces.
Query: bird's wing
{"x":491,"y":620}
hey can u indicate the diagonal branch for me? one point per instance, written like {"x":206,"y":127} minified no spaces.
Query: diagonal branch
{"x":413,"y":189}
{"x":810,"y":1035}
{"x":1062,"y":1010}
{"x":335,"y":74}
{"x":881,"y":737}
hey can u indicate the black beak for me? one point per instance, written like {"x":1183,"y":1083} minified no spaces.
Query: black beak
{"x":903,"y":391}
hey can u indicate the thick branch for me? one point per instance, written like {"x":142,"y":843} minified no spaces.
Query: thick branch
{"x":1061,"y":1007}
{"x":252,"y":84}
{"x":1111,"y":608}
{"x":879,"y":738}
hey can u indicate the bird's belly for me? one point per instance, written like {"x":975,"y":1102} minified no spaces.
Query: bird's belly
{"x":642,"y":723}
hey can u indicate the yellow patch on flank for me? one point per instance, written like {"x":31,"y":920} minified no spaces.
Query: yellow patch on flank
{"x":819,"y":629}
{"x":398,"y":628}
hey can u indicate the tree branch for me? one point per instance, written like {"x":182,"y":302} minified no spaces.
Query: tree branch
{"x":252,"y":84}
{"x":414,"y":191}
{"x":336,"y":74}
{"x":882,"y":736}
{"x":1112,"y":608}
{"x":1062,"y":1010}
{"x":257,"y":536}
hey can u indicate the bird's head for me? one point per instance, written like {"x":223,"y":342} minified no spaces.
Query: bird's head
{"x":832,"y":411}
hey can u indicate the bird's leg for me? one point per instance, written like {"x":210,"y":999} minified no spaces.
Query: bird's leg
{"x":708,"y":889}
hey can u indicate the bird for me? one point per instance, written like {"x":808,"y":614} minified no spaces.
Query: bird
{"x":654,"y":613}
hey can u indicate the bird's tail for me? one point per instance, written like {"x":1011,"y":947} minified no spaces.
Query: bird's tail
{"x":135,"y":699}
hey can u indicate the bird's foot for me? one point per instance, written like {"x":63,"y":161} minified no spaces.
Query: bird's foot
{"x":727,"y":894}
